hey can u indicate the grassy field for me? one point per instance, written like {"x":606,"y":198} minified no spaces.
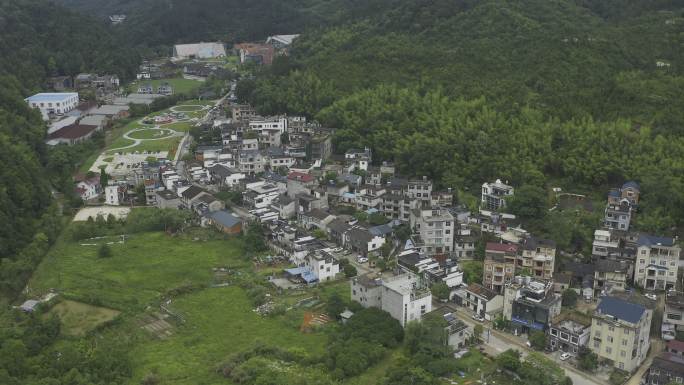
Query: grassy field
{"x":79,"y":318}
{"x":180,"y":85}
{"x":219,"y":322}
{"x":178,"y":126}
{"x":140,"y":270}
{"x":188,"y":108}
{"x":150,"y":133}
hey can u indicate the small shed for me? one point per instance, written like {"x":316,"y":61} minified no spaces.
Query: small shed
{"x":29,"y":306}
{"x":346,"y":315}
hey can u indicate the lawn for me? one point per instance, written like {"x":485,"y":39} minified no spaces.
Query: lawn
{"x":218,"y":323}
{"x":188,"y":108}
{"x":139,"y":271}
{"x":79,"y":318}
{"x":150,"y":133}
{"x":178,"y":126}
{"x":180,"y":85}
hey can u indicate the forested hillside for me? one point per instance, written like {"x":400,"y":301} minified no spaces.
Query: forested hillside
{"x":156,"y":23}
{"x":39,"y":40}
{"x":581,"y":94}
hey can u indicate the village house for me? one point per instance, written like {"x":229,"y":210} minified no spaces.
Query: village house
{"x":406,"y":298}
{"x":481,"y":301}
{"x":618,"y":216}
{"x":569,"y":332}
{"x":673,"y":316}
{"x":225,"y":222}
{"x":165,"y":89}
{"x":657,"y":262}
{"x":242,"y":112}
{"x":605,"y":244}
{"x":611,"y":274}
{"x":112,"y":112}
{"x":362,"y":241}
{"x":464,"y":242}
{"x":499,"y":265}
{"x":494,"y":195}
{"x":629,"y":191}
{"x":457,"y":332}
{"x":89,"y":188}
{"x":261,"y":54}
{"x":530,"y":304}
{"x":281,"y":41}
{"x":620,"y":332}
{"x":538,"y":255}
{"x":115,"y":194}
{"x":323,"y":265}
{"x":666,"y":368}
{"x":433,"y":230}
{"x":315,"y":219}
{"x":167,"y":199}
{"x":298,"y":183}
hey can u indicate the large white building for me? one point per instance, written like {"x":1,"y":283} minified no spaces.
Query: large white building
{"x":657,"y":262}
{"x":433,"y":230}
{"x":404,"y":297}
{"x":56,"y":103}
{"x":323,"y":265}
{"x":199,"y":51}
{"x":620,"y":332}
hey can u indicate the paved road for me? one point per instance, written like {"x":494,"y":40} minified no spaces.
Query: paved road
{"x":497,"y":342}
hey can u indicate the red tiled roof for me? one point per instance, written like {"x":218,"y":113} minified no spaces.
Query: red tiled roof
{"x":300,"y":176}
{"x":501,"y":247}
{"x":73,"y":131}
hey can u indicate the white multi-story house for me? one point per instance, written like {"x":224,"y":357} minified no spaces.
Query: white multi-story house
{"x":464,"y":242}
{"x":657,"y":262}
{"x":494,"y":195}
{"x":252,"y":161}
{"x":57,"y":103}
{"x":620,"y":332}
{"x":269,"y":130}
{"x":261,"y":195}
{"x":323,"y":265}
{"x":482,"y":301}
{"x":405,"y":297}
{"x":113,"y":195}
{"x":433,"y":230}
{"x":605,"y":244}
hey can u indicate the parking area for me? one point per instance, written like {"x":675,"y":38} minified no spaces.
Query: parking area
{"x":115,"y":164}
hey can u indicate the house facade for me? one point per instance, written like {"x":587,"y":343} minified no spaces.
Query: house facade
{"x":494,"y":195}
{"x":657,"y":262}
{"x":620,"y":332}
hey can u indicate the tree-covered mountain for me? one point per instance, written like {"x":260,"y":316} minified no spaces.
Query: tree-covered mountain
{"x":582,"y":94}
{"x":40,"y":39}
{"x":155,"y":23}
{"x":561,"y":56}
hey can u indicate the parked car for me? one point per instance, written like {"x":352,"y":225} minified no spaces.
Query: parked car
{"x":361,"y":259}
{"x":478,"y":317}
{"x":651,"y":297}
{"x":565,"y":355}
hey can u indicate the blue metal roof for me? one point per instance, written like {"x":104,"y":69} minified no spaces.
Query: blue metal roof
{"x":631,"y":184}
{"x":651,"y":240}
{"x":621,"y":309}
{"x":225,"y":218}
{"x":530,"y":324}
{"x":303,"y":272}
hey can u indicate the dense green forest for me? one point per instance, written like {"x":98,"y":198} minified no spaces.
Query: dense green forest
{"x":40,"y":40}
{"x":581,"y":94}
{"x":162,"y":23}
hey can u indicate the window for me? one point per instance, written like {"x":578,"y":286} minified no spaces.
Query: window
{"x":610,"y":328}
{"x":610,"y":339}
{"x":624,"y":342}
{"x":597,"y":344}
{"x":609,"y":349}
{"x":554,"y":332}
{"x":623,"y":354}
{"x":642,"y":261}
